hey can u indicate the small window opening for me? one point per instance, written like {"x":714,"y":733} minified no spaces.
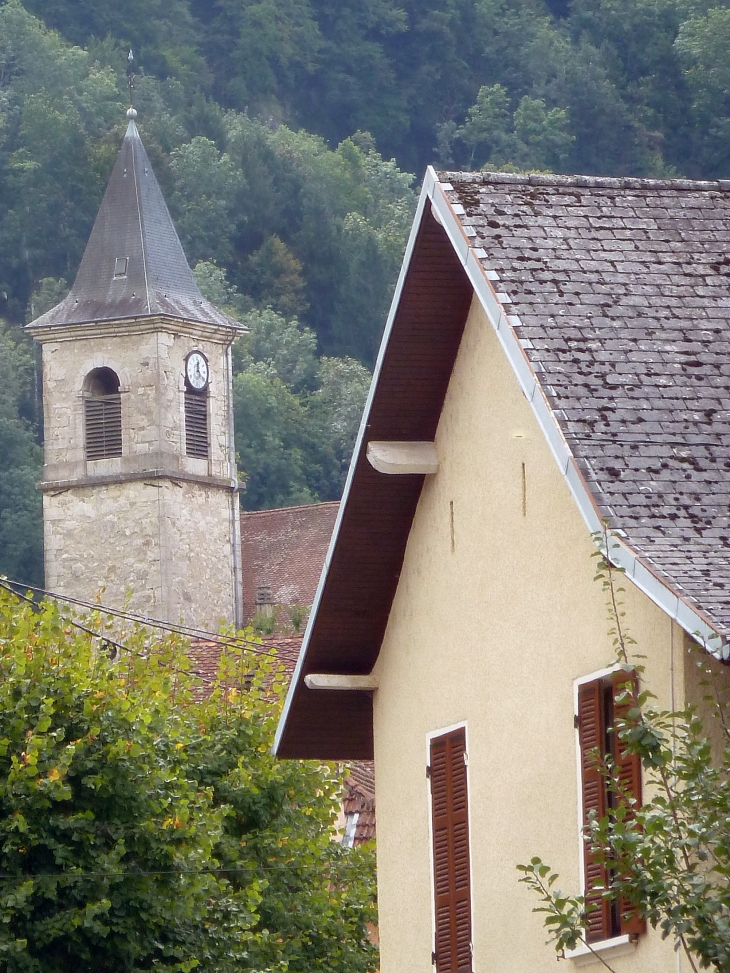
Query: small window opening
{"x":265,"y":600}
{"x":196,"y":423}
{"x":120,"y":267}
{"x":102,"y":414}
{"x":264,"y":595}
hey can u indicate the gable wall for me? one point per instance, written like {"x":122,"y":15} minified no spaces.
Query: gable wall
{"x":493,"y":632}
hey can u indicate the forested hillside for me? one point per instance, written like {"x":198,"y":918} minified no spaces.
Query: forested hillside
{"x":283,"y":133}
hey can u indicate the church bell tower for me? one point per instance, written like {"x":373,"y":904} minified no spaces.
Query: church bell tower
{"x":140,"y":490}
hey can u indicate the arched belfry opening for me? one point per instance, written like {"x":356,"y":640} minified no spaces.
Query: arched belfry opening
{"x":102,"y":414}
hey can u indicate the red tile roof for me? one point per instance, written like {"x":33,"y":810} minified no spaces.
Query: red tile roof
{"x":284,"y":550}
{"x":360,"y":799}
{"x":205,"y":656}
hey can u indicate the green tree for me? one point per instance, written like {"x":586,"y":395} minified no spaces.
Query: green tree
{"x":162,"y":34}
{"x":703,"y":45}
{"x":296,"y":415}
{"x":206,"y":187}
{"x":532,"y":138}
{"x":49,"y":292}
{"x":542,"y":135}
{"x":283,"y":345}
{"x":144,"y":827}
{"x":488,"y":124}
{"x":214,"y":285}
{"x":283,"y":459}
{"x":21,"y":528}
{"x":274,"y":277}
{"x":262,"y":49}
{"x":343,"y":390}
{"x":54,"y":184}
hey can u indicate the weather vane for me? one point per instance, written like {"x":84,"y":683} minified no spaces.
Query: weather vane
{"x":130,"y":76}
{"x":130,"y":81}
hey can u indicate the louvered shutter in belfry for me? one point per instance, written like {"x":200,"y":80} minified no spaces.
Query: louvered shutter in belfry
{"x":196,"y":424}
{"x":103,"y":426}
{"x":593,"y":790}
{"x":628,"y":769}
{"x":452,"y":884}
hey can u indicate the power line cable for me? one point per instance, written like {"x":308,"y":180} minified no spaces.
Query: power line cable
{"x":188,"y":631}
{"x":180,"y":629}
{"x":109,"y":640}
{"x":129,"y":873}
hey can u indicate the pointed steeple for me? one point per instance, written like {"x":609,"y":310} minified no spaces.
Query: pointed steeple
{"x":134,"y":265}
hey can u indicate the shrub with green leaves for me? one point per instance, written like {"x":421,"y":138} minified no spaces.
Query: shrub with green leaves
{"x":669,"y":859}
{"x":144,"y":823}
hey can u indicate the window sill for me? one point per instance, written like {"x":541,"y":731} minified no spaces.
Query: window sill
{"x":608,"y":949}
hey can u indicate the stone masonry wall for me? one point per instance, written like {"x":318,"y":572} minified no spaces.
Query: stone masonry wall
{"x":161,"y":538}
{"x":150,"y":365}
{"x":161,"y":548}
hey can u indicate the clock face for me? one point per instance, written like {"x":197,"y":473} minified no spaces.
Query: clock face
{"x":196,"y":370}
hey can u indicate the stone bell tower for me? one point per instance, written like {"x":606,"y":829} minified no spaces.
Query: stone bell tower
{"x":140,"y":496}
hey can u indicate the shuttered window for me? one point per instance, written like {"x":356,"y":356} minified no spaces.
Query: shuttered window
{"x":196,"y":424}
{"x":102,"y":415}
{"x":451,"y":879}
{"x":597,"y":711}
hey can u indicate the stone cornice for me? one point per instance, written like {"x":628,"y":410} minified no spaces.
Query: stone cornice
{"x":133,"y":326}
{"x":60,"y":486}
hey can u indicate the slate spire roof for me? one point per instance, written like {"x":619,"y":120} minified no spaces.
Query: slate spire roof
{"x":134,"y":265}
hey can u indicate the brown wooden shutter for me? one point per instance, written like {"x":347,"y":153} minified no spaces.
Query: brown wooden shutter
{"x":591,"y":726}
{"x":628,"y":770}
{"x":452,"y":884}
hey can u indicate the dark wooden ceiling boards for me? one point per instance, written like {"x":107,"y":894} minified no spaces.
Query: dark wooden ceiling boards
{"x":365,"y":567}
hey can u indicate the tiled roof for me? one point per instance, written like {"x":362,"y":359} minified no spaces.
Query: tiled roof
{"x":205,"y":656}
{"x":284,"y":550}
{"x":619,"y":291}
{"x":360,"y":799}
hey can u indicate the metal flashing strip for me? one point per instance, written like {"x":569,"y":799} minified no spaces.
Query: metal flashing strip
{"x":134,"y":135}
{"x":673,"y":604}
{"x":426,"y":195}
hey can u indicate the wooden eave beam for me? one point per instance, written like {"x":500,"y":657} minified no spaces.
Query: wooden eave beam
{"x":400,"y":458}
{"x":322,"y":680}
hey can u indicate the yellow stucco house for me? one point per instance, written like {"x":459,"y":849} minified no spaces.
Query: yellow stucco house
{"x":557,"y":358}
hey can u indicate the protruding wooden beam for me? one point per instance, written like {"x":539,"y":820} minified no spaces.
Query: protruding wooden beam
{"x":400,"y":458}
{"x":322,"y":680}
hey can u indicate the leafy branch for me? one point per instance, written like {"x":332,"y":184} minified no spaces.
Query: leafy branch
{"x":669,"y":859}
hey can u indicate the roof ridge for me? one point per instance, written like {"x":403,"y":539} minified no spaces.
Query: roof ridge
{"x":585,"y":182}
{"x":300,"y":506}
